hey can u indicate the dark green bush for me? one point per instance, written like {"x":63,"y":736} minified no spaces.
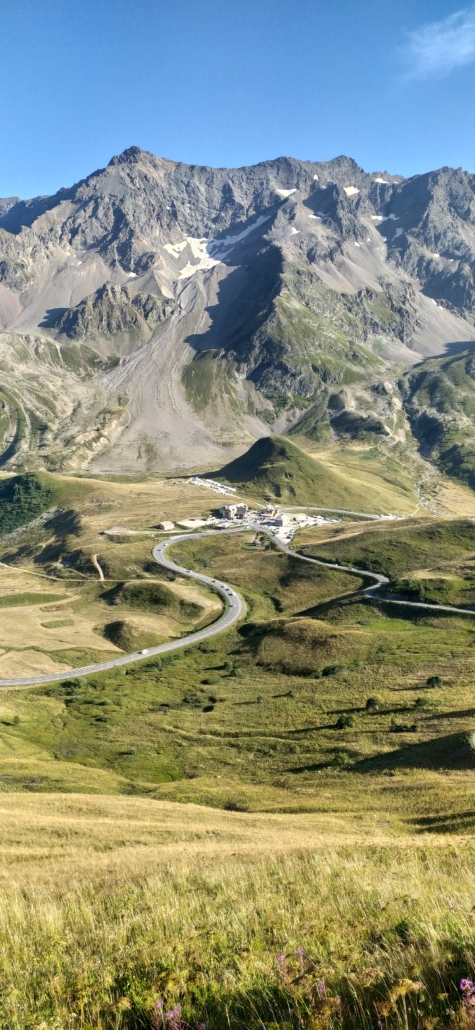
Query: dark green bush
{"x":344,"y":721}
{"x":340,"y":758}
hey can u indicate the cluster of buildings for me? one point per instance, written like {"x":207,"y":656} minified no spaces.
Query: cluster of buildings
{"x":284,"y":524}
{"x":287,"y":520}
{"x":268,"y":516}
{"x":234,"y":511}
{"x":281,"y":519}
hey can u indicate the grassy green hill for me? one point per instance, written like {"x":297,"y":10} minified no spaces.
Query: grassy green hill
{"x":274,"y":469}
{"x":394,"y":551}
{"x":289,"y":687}
{"x":426,"y":560}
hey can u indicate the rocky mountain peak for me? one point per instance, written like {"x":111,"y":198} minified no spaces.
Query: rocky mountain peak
{"x":129,"y":156}
{"x":205,"y":307}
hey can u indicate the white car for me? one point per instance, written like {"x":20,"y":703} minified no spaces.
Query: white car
{"x":145,"y":651}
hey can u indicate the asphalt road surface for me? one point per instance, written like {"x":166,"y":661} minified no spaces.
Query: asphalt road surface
{"x":234,"y":609}
{"x":234,"y":605}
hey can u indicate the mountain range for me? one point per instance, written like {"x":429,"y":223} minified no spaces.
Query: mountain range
{"x":158,"y":316}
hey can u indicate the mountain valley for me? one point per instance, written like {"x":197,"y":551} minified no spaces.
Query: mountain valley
{"x":263,"y":741}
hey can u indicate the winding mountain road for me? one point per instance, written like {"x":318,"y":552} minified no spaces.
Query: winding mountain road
{"x":233,"y":611}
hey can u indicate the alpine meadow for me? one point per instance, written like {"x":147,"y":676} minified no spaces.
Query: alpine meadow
{"x":237,"y":599}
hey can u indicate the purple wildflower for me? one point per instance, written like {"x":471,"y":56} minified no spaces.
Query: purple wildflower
{"x":283,"y":967}
{"x":321,"y":988}
{"x":301,"y":957}
{"x":467,"y":988}
{"x":157,"y":1018}
{"x":174,"y":1018}
{"x":201,"y":1026}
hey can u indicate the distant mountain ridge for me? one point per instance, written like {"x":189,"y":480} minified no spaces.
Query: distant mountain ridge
{"x":158,"y":316}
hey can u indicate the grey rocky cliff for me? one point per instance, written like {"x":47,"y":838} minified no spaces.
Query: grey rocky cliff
{"x":308,"y":285}
{"x":113,"y":310}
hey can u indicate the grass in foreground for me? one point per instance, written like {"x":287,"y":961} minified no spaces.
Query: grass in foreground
{"x":115,"y":905}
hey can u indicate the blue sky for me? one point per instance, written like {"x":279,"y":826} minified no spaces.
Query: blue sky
{"x":232,"y":82}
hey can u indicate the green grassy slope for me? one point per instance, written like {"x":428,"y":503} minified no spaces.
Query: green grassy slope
{"x":442,"y":553}
{"x":265,"y":716}
{"x":351,"y":720}
{"x":262,"y":720}
{"x":275,"y":469}
{"x":397,"y":550}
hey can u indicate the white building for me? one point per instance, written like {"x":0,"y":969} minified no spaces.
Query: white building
{"x":166,"y":525}
{"x":227,"y":511}
{"x":283,"y":519}
{"x":233,"y":511}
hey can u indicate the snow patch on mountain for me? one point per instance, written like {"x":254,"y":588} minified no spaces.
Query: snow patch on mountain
{"x":202,"y":258}
{"x":175,"y":248}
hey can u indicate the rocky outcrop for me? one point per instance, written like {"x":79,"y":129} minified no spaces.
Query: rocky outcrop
{"x":439,"y":398}
{"x":6,"y":203}
{"x":113,"y":310}
{"x":201,"y":308}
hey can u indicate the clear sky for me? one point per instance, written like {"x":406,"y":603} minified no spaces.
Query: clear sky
{"x":232,"y":82}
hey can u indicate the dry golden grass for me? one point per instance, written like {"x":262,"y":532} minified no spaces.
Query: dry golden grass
{"x":388,"y":476}
{"x":15,"y":580}
{"x":28,"y":663}
{"x":448,"y":496}
{"x":51,"y":834}
{"x":194,"y":594}
{"x":345,"y":530}
{"x":109,"y":904}
{"x":384,"y":480}
{"x":24,"y":625}
{"x":139,"y":506}
{"x":24,"y":631}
